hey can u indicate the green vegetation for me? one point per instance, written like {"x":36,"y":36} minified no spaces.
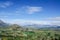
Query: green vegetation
{"x":16,"y":32}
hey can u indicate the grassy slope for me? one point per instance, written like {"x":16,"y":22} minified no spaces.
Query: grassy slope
{"x":12,"y":33}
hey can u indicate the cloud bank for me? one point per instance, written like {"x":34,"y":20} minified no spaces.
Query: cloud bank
{"x":29,"y":9}
{"x":32,"y":10}
{"x":43,"y":22}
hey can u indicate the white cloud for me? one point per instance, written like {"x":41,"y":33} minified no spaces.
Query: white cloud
{"x":54,"y":18}
{"x":42,"y":22}
{"x":32,"y":10}
{"x":5,"y":4}
{"x":29,"y":9}
{"x":21,"y":21}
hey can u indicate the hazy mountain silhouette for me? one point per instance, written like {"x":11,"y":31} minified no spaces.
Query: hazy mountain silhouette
{"x":3,"y":24}
{"x":54,"y":27}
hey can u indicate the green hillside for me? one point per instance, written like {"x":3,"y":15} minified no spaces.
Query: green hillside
{"x":16,"y":32}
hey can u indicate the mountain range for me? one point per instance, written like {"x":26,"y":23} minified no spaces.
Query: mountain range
{"x":3,"y":24}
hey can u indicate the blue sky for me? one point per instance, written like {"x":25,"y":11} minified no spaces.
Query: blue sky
{"x":30,"y":11}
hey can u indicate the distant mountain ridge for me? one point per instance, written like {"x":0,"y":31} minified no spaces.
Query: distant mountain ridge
{"x":3,"y":24}
{"x":43,"y":26}
{"x":37,"y":26}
